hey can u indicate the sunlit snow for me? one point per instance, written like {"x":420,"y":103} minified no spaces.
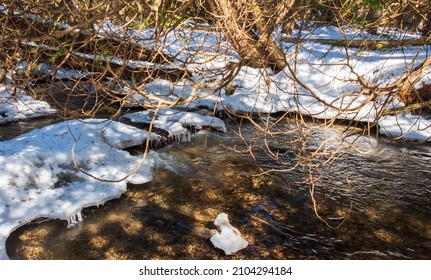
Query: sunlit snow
{"x":15,"y":105}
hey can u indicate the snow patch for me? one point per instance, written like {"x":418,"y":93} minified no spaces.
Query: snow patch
{"x":123,"y":136}
{"x":15,"y":105}
{"x":406,"y":126}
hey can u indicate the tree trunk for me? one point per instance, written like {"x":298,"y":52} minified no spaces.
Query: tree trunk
{"x":373,"y":17}
{"x":426,"y":31}
{"x":244,"y":25}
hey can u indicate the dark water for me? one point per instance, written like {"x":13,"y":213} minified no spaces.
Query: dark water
{"x":374,"y":205}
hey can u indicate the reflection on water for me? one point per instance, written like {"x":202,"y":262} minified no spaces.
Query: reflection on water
{"x":374,"y":207}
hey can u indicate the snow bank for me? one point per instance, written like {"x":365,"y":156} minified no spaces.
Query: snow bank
{"x":324,"y":84}
{"x":39,"y":179}
{"x":328,"y":84}
{"x":171,"y":93}
{"x":350,"y":33}
{"x":15,"y":105}
{"x":60,"y":73}
{"x":322,"y":80}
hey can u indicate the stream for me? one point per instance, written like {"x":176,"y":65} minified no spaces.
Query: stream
{"x":370,"y":206}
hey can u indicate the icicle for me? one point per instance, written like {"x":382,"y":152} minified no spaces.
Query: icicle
{"x":74,"y":220}
{"x":79,"y":216}
{"x":189,"y":136}
{"x":71,"y":222}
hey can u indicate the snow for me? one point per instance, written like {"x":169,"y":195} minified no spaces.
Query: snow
{"x":321,"y":80}
{"x":123,"y":136}
{"x":61,"y":73}
{"x":229,"y":238}
{"x":407,"y":127}
{"x":171,"y":93}
{"x":349,"y":33}
{"x":326,"y":86}
{"x":331,"y":91}
{"x":15,"y":105}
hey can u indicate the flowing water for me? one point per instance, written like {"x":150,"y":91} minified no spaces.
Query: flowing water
{"x":369,"y":206}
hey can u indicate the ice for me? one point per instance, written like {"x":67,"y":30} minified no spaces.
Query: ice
{"x":177,"y":123}
{"x":229,"y":238}
{"x":75,"y":219}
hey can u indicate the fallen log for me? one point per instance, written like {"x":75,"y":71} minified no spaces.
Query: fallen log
{"x":99,"y":65}
{"x":415,"y":108}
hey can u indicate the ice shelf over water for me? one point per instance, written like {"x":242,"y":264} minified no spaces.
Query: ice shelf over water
{"x":176,"y":123}
{"x":39,"y":179}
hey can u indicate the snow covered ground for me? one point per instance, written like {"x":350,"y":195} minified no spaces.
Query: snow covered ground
{"x":38,"y":177}
{"x":322,"y":80}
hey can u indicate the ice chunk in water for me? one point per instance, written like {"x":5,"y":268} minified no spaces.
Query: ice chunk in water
{"x":229,"y":238}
